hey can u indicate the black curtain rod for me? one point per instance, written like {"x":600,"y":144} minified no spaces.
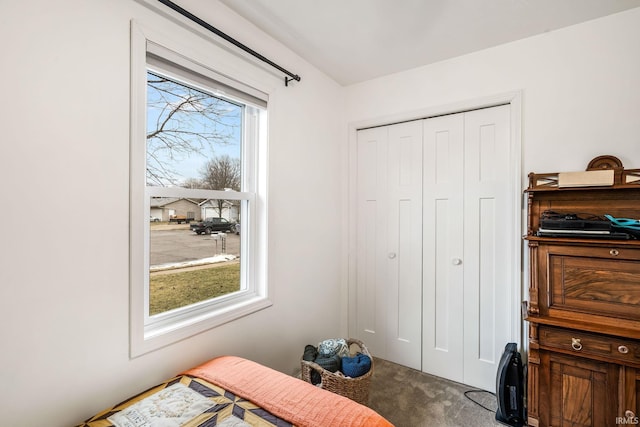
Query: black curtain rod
{"x":231,"y":40}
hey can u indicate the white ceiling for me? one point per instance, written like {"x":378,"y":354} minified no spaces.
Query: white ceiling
{"x":357,"y":40}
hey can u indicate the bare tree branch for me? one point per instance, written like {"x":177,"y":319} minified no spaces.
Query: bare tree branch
{"x":183,"y":122}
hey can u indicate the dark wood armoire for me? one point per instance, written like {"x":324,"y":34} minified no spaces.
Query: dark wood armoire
{"x":583,"y":311}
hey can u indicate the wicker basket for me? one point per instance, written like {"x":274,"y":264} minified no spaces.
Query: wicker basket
{"x":354,"y":388}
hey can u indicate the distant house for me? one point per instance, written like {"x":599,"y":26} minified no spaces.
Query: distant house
{"x":166,"y":208}
{"x":229,"y":209}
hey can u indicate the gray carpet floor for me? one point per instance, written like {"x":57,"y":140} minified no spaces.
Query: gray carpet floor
{"x":410,"y":398}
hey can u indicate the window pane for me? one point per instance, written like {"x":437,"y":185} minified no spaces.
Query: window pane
{"x":193,"y":138}
{"x":186,"y":267}
{"x":193,"y":141}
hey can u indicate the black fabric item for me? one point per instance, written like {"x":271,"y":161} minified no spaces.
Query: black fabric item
{"x":310,"y":353}
{"x":315,"y":378}
{"x":331,"y":364}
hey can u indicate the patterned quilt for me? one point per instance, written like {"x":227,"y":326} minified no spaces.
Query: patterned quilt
{"x":185,"y":401}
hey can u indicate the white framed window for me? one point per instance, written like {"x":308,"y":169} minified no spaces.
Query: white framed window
{"x":197,"y":191}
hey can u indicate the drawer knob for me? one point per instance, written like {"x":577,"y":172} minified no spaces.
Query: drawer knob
{"x":629,"y":414}
{"x":576,"y":344}
{"x":614,"y":252}
{"x":623,"y":349}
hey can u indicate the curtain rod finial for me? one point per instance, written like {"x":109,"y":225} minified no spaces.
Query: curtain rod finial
{"x":287,"y":79}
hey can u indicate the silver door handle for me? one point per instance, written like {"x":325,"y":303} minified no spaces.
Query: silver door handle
{"x":576,"y":344}
{"x":456,"y":261}
{"x":392,"y":255}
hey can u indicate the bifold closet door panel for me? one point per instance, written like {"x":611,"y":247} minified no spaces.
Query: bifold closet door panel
{"x":371,"y":239}
{"x":443,"y":346}
{"x":488,"y":237}
{"x":404,"y":244}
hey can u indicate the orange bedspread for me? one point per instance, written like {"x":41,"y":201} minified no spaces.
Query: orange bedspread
{"x":286,"y":397}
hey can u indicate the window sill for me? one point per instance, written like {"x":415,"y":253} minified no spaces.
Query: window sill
{"x":153,"y":337}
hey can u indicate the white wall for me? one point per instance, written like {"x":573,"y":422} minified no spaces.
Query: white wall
{"x":580,"y":91}
{"x":64,"y":291}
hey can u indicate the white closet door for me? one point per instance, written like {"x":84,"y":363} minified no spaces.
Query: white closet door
{"x":404,"y":339}
{"x":488,"y":225}
{"x":434,"y":240}
{"x":389,"y":263}
{"x":442,"y":245}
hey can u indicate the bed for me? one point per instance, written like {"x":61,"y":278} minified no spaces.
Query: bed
{"x":230,"y":391}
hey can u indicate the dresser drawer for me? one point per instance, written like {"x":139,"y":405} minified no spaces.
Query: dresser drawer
{"x":591,"y":280}
{"x":590,"y":345}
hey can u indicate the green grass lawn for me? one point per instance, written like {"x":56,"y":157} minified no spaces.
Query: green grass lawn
{"x":172,"y":290}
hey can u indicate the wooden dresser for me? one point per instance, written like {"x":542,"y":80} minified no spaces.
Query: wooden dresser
{"x":583,"y":311}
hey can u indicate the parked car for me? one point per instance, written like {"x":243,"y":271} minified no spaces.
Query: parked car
{"x":154,"y":219}
{"x":211,"y":225}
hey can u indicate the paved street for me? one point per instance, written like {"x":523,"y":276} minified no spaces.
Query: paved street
{"x":177,"y":243}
